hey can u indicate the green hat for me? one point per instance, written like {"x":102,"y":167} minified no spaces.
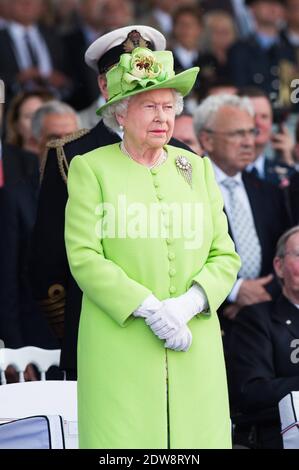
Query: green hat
{"x":145,"y":70}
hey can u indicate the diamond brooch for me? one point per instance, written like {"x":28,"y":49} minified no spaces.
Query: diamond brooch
{"x":184,"y":167}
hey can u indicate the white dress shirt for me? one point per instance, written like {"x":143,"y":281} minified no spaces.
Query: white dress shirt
{"x":259,"y":165}
{"x":185,"y":56}
{"x":242,"y":195}
{"x":17,"y":33}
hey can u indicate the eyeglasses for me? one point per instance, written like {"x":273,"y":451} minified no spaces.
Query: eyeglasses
{"x":293,"y":254}
{"x":238,"y":134}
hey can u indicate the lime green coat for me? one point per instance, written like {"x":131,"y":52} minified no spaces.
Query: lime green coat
{"x":132,"y":392}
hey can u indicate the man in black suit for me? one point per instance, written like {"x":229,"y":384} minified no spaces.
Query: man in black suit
{"x":255,"y":209}
{"x":31,"y":55}
{"x":258,"y":60}
{"x":264,"y":363}
{"x":89,"y":28}
{"x":21,"y":324}
{"x":53,"y":284}
{"x":21,"y":321}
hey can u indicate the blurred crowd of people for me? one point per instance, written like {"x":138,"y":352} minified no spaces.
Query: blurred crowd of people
{"x":241,"y":113}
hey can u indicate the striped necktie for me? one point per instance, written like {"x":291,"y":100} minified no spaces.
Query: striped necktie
{"x":31,"y":52}
{"x":245,"y":236}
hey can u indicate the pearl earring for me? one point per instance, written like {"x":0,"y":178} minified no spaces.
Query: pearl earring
{"x":121,"y":128}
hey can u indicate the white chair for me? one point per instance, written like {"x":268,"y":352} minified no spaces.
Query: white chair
{"x":48,"y":398}
{"x":43,"y":359}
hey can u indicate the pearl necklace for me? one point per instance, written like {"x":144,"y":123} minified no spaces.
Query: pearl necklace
{"x":161,"y":159}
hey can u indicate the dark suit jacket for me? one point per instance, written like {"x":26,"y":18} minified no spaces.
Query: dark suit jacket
{"x":212,"y":73}
{"x":269,"y":214}
{"x":264,"y":363}
{"x":178,"y":67}
{"x":9,"y":66}
{"x":250,"y":65}
{"x":294,"y":198}
{"x":49,"y":263}
{"x":20,"y":322}
{"x":86,"y":89}
{"x":271,"y":220}
{"x":276,"y":172}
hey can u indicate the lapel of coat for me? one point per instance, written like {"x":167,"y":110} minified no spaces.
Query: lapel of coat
{"x":253,"y":189}
{"x":287,"y":315}
{"x":104,"y":136}
{"x":10,"y":50}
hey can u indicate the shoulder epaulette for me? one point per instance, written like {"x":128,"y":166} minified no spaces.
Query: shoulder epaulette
{"x":58,"y":145}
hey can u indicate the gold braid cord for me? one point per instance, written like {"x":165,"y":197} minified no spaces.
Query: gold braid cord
{"x":58,"y":144}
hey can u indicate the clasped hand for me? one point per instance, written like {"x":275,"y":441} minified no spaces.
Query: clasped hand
{"x":168,"y":319}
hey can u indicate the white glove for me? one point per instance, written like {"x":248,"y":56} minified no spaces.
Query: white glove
{"x":149,"y":306}
{"x":176,"y":312}
{"x":180,"y":341}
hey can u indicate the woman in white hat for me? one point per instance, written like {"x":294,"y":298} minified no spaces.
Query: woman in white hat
{"x":147,"y":242}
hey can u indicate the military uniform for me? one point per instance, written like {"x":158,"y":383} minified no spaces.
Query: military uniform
{"x":54,"y":287}
{"x":251,"y":65}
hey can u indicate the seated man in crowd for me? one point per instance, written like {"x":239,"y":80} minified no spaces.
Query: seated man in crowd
{"x":53,"y":120}
{"x":264,"y":363}
{"x":255,"y":209}
{"x":184,"y":131}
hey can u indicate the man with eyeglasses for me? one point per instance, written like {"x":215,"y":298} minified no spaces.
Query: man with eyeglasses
{"x":264,"y":353}
{"x":255,"y":209}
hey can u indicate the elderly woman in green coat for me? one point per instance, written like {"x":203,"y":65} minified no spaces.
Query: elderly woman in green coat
{"x":147,"y":242}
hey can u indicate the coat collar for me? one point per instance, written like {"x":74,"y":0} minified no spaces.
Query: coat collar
{"x":287,"y":314}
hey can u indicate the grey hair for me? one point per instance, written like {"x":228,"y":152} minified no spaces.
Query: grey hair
{"x":281,"y":244}
{"x":121,"y":107}
{"x":204,"y":115}
{"x":50,"y":107}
